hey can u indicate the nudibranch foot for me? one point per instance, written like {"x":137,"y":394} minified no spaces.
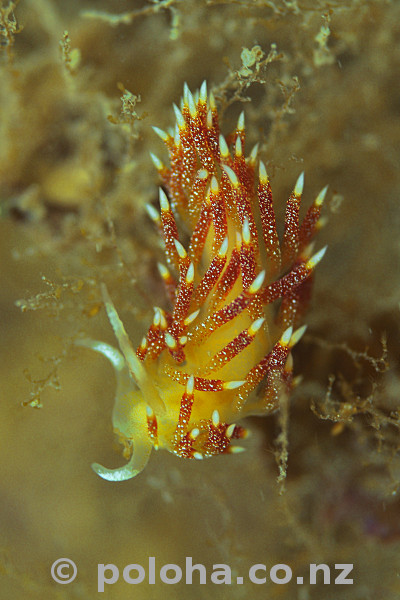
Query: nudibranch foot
{"x":237,"y":292}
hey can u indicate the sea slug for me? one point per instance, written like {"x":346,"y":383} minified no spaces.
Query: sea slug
{"x":223,"y":350}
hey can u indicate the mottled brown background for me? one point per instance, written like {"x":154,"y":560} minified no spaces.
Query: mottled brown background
{"x":73,"y":186}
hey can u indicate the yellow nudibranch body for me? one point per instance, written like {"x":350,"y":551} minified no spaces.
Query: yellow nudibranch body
{"x":223,"y":351}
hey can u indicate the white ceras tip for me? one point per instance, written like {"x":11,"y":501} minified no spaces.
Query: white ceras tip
{"x":263,"y":174}
{"x":180,"y":249}
{"x":229,"y":430}
{"x":191,"y":105}
{"x":230,"y":173}
{"x":297,"y":335}
{"x":246,"y":231}
{"x":149,"y":412}
{"x":212,"y":101}
{"x":170,"y":341}
{"x":185,"y":91}
{"x":314,"y":260}
{"x":257,"y":283}
{"x":240,"y":123}
{"x":253,"y":154}
{"x":238,"y":148}
{"x":190,"y":385}
{"x":214,"y":185}
{"x":222,"y":252}
{"x":191,"y":317}
{"x":215,"y":418}
{"x":286,"y":335}
{"x":321,"y":196}
{"x":179,"y":117}
{"x":157,"y":317}
{"x":203,"y":92}
{"x":177,"y":136}
{"x":163,"y":320}
{"x":153,"y":214}
{"x":156,"y":162}
{"x":298,"y":188}
{"x":236,"y":449}
{"x":223,"y":146}
{"x":190,"y":274}
{"x":164,"y":204}
{"x":161,"y":133}
{"x":232,"y":385}
{"x":198,"y":455}
{"x":194,"y":434}
{"x":254,"y":327}
{"x":162,"y":269}
{"x":202,"y":174}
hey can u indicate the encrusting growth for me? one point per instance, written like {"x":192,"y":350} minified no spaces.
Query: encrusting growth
{"x":192,"y":377}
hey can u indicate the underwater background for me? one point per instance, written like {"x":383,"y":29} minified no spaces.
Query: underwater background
{"x":82,"y":82}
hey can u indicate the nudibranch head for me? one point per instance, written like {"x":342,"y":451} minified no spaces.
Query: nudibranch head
{"x":193,"y":376}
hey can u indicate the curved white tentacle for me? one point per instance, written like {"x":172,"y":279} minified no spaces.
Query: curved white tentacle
{"x":136,"y":464}
{"x":114,"y":356}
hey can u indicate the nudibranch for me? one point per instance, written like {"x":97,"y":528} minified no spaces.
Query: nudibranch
{"x":223,"y":350}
